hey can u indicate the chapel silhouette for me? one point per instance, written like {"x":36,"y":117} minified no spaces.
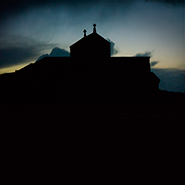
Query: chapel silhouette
{"x":90,"y":71}
{"x":109,"y":87}
{"x":127,"y":73}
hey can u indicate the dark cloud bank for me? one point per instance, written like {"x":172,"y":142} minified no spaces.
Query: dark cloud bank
{"x":20,"y":55}
{"x":11,"y":7}
{"x":20,"y":51}
{"x":169,"y":2}
{"x":13,"y":56}
{"x":17,"y":6}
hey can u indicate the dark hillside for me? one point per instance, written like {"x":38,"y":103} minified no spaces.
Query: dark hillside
{"x":78,"y":90}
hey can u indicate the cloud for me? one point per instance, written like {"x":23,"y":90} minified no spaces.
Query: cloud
{"x":56,"y":52}
{"x":169,"y":2}
{"x":145,"y":54}
{"x":19,"y":50}
{"x":153,"y":63}
{"x":114,"y":51}
{"x":13,"y":7}
{"x":171,"y":79}
{"x":9,"y":8}
{"x":16,"y":55}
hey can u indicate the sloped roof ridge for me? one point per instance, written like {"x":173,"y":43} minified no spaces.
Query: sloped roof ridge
{"x":86,"y":37}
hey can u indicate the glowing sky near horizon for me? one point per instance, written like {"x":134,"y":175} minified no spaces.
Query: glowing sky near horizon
{"x":134,"y":27}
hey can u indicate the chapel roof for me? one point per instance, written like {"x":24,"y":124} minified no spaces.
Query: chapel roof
{"x":91,"y":37}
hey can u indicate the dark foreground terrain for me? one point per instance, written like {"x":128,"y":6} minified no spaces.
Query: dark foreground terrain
{"x":35,"y":95}
{"x":93,"y":107}
{"x":139,"y":133}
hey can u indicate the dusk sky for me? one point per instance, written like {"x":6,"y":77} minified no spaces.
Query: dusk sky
{"x":155,"y":28}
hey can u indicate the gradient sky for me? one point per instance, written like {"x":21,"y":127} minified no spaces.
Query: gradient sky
{"x":31,"y":28}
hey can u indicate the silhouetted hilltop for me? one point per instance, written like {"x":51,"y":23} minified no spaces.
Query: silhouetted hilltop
{"x":70,"y":86}
{"x":92,"y":80}
{"x":124,"y":73}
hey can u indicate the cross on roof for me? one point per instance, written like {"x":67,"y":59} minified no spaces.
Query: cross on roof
{"x":94,"y":29}
{"x":85,"y":31}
